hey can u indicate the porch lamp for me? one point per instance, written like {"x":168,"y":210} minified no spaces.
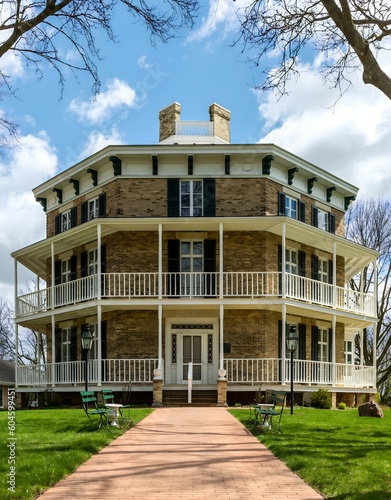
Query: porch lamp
{"x":86,"y":343}
{"x":291,"y":345}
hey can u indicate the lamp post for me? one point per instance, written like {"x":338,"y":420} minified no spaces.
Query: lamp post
{"x":86,"y":343}
{"x":291,"y":345}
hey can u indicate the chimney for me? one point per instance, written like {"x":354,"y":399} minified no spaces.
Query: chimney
{"x":167,"y":117}
{"x":221,"y":118}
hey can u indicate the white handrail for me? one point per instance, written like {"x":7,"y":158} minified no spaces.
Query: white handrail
{"x":189,"y":381}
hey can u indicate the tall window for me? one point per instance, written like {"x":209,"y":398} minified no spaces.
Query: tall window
{"x":66,"y":271}
{"x":66,"y":344}
{"x":291,"y":207}
{"x":323,"y":220}
{"x":191,"y":259}
{"x":323,"y":344}
{"x":291,"y":265}
{"x":323,"y":270}
{"x":66,"y":220}
{"x":348,"y":348}
{"x":93,"y":208}
{"x":191,"y":196}
{"x":92,"y":263}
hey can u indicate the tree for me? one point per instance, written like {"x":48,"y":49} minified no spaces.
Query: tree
{"x":45,"y":31}
{"x":369,"y":223}
{"x":347,"y":35}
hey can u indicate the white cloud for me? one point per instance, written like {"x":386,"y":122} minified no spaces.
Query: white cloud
{"x":99,"y":140}
{"x":143,"y":63}
{"x":22,"y":220}
{"x":222,"y":16}
{"x":118,"y":95}
{"x":350,"y":139}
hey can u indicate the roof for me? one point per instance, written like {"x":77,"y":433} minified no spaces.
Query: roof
{"x":7,"y":372}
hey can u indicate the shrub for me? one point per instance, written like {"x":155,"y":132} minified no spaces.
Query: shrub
{"x":342,"y":406}
{"x":321,"y":399}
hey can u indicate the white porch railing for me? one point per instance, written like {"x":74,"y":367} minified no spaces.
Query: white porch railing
{"x":72,"y":372}
{"x":190,"y":285}
{"x":258,"y":371}
{"x":194,"y":128}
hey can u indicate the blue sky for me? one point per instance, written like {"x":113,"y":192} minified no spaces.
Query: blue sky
{"x":350,"y":139}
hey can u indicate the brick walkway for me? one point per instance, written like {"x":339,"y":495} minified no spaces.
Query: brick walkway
{"x":184,"y":453}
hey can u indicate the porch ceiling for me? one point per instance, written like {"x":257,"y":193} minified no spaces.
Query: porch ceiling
{"x":34,"y":257}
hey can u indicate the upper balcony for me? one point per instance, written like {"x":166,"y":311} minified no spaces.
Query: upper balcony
{"x":239,"y":286}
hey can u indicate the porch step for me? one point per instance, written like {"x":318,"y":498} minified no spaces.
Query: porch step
{"x":199,"y":398}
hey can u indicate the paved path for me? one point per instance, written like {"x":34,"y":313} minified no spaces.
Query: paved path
{"x":184,"y":453}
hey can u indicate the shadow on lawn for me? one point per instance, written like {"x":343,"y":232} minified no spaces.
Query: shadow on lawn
{"x":373,"y":495}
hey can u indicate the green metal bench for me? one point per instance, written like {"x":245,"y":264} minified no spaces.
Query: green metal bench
{"x":270,"y":416}
{"x":90,"y":406}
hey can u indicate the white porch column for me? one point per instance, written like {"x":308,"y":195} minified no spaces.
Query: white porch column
{"x":160,"y":263}
{"x":374,"y":355}
{"x":53,"y":281}
{"x":283,"y":265}
{"x":333,"y":350}
{"x":283,"y":343}
{"x":53,"y":350}
{"x":221,"y":363}
{"x":99,"y":340}
{"x":160,"y":337}
{"x":335,"y":275}
{"x":16,"y":314}
{"x":99,"y":255}
{"x":221,"y":260}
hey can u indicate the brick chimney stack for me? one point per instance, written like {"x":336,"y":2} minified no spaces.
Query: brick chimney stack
{"x":167,"y":117}
{"x":221,"y":118}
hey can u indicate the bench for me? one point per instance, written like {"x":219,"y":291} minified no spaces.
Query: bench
{"x":90,"y":406}
{"x":269,"y":416}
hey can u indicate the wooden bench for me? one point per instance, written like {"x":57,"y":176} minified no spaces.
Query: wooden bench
{"x":269,"y":416}
{"x":90,"y":406}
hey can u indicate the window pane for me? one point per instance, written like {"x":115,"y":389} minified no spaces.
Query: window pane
{"x":185,"y":200}
{"x":185,"y":264}
{"x":197,"y":247}
{"x":186,"y":348}
{"x":197,"y":186}
{"x":197,"y":349}
{"x":197,"y":200}
{"x":185,"y":248}
{"x":197,"y":264}
{"x":185,"y":212}
{"x":197,"y":212}
{"x":185,"y":186}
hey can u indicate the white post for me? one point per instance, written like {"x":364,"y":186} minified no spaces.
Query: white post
{"x":189,"y":381}
{"x":283,"y":265}
{"x":333,"y":350}
{"x":99,"y":255}
{"x":99,"y":340}
{"x":335,"y":275}
{"x":221,"y":337}
{"x":160,"y":337}
{"x":53,"y":276}
{"x":160,"y":263}
{"x":221,"y":261}
{"x":53,"y":349}
{"x":283,"y":344}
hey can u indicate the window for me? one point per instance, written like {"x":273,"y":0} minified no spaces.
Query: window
{"x":290,"y":207}
{"x":323,"y":271}
{"x":93,"y":208}
{"x":323,"y":344}
{"x":291,"y":261}
{"x":191,"y":262}
{"x":66,"y":345}
{"x":92,"y":262}
{"x":323,"y":220}
{"x":66,"y":220}
{"x":66,"y":271}
{"x":348,"y":348}
{"x":191,"y":196}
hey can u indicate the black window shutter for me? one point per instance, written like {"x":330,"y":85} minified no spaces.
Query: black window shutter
{"x":73,"y":352}
{"x":84,"y":212}
{"x":301,"y":257}
{"x":302,"y":341}
{"x":315,"y":267}
{"x":173,"y":197}
{"x":102,"y":205}
{"x":330,"y":345}
{"x":209,"y":197}
{"x":210,"y":267}
{"x":57,"y":224}
{"x":314,"y":343}
{"x":301,"y":211}
{"x":314,"y":216}
{"x":73,"y":267}
{"x":174,"y":267}
{"x":57,"y":345}
{"x":330,"y":272}
{"x":332,"y":223}
{"x":57,"y":272}
{"x":83,"y":264}
{"x":281,"y":203}
{"x":103,"y":259}
{"x":73,"y":216}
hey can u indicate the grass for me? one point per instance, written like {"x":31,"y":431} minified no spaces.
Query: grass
{"x":50,"y":444}
{"x":341,"y":455}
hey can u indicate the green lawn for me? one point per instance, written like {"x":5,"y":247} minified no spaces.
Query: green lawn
{"x":49,"y":445}
{"x":341,"y":455}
